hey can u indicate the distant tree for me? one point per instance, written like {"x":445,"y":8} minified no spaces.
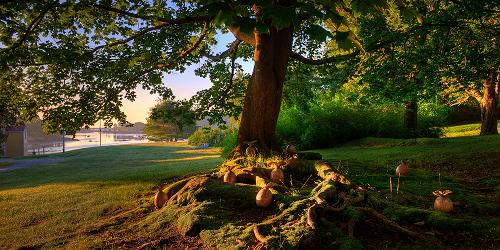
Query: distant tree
{"x":14,"y":106}
{"x":448,"y":45}
{"x":469,"y":57}
{"x":169,"y":120}
{"x":157,"y":131}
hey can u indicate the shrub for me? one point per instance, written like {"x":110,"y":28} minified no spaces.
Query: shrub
{"x":229,"y":142}
{"x":210,"y":136}
{"x":331,"y":120}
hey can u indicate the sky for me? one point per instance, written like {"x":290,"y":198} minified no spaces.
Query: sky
{"x":183,"y":85}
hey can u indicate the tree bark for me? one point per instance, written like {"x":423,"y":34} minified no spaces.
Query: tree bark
{"x":489,"y":105}
{"x":410,"y":115}
{"x":263,"y":94}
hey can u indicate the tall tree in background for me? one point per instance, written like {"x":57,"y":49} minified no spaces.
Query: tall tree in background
{"x":469,"y":56}
{"x":447,"y":45}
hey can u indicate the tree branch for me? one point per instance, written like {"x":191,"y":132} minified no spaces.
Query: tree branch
{"x":234,"y":50}
{"x":400,"y":36}
{"x":474,"y":93}
{"x":322,"y":61}
{"x":132,"y":37}
{"x":34,"y":23}
{"x":180,"y":56}
{"x":223,"y":54}
{"x":181,"y":20}
{"x":245,"y":37}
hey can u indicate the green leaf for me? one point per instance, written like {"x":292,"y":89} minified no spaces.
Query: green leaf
{"x":224,"y":16}
{"x":246,"y":25}
{"x":281,"y":17}
{"x":311,"y":10}
{"x":335,"y":17}
{"x":318,"y":33}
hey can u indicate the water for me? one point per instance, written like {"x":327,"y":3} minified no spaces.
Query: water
{"x":87,"y":140}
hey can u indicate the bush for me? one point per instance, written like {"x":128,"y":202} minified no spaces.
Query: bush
{"x":210,"y":136}
{"x":229,"y":142}
{"x":331,"y":120}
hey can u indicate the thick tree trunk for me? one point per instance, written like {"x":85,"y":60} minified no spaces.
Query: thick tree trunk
{"x":410,"y":115}
{"x":263,"y":95}
{"x":489,"y":105}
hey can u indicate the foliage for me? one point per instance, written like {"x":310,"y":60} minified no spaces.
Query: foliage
{"x":169,"y":120}
{"x":13,"y":105}
{"x":158,"y":131}
{"x":445,"y":51}
{"x":221,"y":99}
{"x":174,"y":113}
{"x":333,"y":119}
{"x":229,"y":142}
{"x":81,"y":59}
{"x":211,"y":136}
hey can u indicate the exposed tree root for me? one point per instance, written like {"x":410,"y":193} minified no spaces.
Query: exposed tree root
{"x":312,"y":216}
{"x":334,"y":195}
{"x":372,"y":212}
{"x":258,"y":235}
{"x":173,"y":188}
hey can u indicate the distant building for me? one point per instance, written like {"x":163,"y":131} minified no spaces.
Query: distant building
{"x":17,"y":142}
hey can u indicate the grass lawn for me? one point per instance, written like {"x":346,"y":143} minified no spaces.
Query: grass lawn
{"x":97,"y":197}
{"x":462,"y":130}
{"x":4,"y":164}
{"x":469,"y":166}
{"x":70,"y":204}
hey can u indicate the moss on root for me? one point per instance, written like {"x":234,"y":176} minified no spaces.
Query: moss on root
{"x":225,"y":216}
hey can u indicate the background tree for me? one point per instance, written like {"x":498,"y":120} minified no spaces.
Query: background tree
{"x":170,"y":120}
{"x":14,"y":105}
{"x":469,"y":57}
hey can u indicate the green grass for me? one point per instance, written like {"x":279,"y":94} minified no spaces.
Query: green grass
{"x":467,"y":165}
{"x":4,"y":164}
{"x":99,"y":196}
{"x":462,"y":130}
{"x":65,"y":204}
{"x":373,"y":160}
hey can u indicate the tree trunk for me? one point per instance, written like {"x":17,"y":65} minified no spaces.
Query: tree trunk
{"x":410,"y":115}
{"x":263,"y":94}
{"x":489,"y":105}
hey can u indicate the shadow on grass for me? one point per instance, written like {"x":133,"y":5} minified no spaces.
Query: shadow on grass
{"x":151,"y":163}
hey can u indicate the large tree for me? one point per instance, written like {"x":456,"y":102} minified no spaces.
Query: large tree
{"x":82,"y":58}
{"x":470,"y":58}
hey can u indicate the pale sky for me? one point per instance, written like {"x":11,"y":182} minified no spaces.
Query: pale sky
{"x":183,"y":86}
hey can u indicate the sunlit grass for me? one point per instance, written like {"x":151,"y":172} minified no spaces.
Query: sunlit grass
{"x":186,"y":159}
{"x":199,"y":151}
{"x":93,"y":193}
{"x":92,"y":190}
{"x":462,"y":130}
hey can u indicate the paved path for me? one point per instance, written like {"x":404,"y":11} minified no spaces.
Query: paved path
{"x":28,"y":163}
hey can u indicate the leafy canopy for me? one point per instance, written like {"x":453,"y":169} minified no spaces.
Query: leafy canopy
{"x":80,"y":59}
